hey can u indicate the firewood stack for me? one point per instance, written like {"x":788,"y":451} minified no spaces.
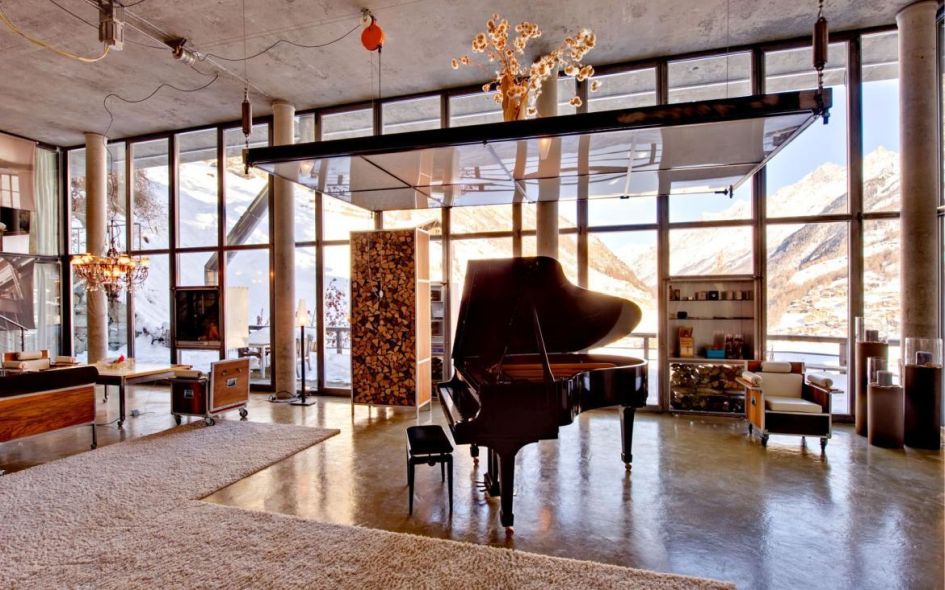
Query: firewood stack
{"x":390,"y":318}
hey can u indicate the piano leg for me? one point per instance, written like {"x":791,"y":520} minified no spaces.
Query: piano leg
{"x":626,"y":434}
{"x":507,"y":481}
{"x":492,"y":477}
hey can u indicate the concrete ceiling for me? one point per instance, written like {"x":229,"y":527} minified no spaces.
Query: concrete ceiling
{"x":54,"y":99}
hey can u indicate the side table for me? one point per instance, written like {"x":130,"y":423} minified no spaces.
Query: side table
{"x":864,"y":350}
{"x":885,"y":415}
{"x":923,"y":406}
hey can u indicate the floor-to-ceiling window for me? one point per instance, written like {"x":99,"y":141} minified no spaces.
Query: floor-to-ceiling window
{"x":881,"y":194}
{"x":150,"y":201}
{"x":807,"y":231}
{"x":808,"y":219}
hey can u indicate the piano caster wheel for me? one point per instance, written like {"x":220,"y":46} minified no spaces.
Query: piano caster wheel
{"x":475,"y":460}
{"x":509,"y":531}
{"x":628,"y":466}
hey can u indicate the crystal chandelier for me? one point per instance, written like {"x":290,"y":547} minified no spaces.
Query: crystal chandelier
{"x":115,"y":272}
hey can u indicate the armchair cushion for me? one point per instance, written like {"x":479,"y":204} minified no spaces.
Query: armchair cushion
{"x":774,"y":403}
{"x":753,"y":378}
{"x":40,"y":364}
{"x":782,"y":384}
{"x":820,"y":380}
{"x":775,"y":367}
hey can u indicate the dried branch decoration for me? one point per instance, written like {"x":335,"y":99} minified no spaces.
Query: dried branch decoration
{"x":518,"y":86}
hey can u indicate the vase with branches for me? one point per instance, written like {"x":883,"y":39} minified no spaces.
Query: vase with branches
{"x":517,"y":84}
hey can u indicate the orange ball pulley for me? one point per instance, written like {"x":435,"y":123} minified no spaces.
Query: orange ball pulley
{"x":372,"y":37}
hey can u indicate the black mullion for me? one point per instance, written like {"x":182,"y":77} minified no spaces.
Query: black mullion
{"x":319,"y":268}
{"x":173,"y":160}
{"x":855,"y":241}
{"x":582,"y":205}
{"x":129,"y":212}
{"x":221,"y":233}
{"x":65,"y":268}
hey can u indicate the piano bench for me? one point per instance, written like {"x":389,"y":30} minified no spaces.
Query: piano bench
{"x":429,"y":444}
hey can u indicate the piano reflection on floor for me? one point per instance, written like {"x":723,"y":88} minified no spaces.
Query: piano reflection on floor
{"x":519,"y":373}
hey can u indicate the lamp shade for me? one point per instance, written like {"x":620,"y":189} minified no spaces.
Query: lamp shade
{"x":301,"y":314}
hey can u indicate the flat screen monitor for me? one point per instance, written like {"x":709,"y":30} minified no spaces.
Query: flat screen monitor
{"x":197,"y":311}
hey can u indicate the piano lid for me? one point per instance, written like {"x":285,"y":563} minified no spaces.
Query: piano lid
{"x":495,"y":315}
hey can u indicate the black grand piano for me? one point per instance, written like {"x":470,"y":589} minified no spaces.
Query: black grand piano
{"x":519,"y":373}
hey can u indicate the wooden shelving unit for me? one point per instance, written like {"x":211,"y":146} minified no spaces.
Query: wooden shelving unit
{"x":720,"y":312}
{"x":443,"y":308}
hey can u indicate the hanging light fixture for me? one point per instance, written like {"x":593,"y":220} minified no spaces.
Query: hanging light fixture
{"x":821,"y":44}
{"x":113,"y":273}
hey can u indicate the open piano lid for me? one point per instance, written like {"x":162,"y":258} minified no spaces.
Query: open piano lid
{"x":496,"y":317}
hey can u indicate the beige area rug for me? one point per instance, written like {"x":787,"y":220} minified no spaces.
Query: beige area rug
{"x":129,"y":516}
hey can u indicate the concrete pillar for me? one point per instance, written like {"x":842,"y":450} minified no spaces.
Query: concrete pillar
{"x":96,"y":204}
{"x":549,"y":165}
{"x":920,"y":164}
{"x":283,"y":254}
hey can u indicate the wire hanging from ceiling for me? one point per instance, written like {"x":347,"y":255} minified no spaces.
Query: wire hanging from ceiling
{"x":202,"y":56}
{"x":111,"y":116}
{"x":36,"y":41}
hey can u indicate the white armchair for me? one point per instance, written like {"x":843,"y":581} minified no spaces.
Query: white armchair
{"x":780,"y":400}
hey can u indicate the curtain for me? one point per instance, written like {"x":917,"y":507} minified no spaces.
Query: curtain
{"x":44,"y":219}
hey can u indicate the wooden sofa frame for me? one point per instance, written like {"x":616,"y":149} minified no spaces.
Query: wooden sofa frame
{"x":36,"y":403}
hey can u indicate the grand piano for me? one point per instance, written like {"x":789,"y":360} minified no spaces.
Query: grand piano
{"x":520,"y":373}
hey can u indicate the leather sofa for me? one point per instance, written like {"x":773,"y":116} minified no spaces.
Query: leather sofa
{"x":40,"y":402}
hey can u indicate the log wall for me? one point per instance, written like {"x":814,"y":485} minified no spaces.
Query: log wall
{"x":390,"y":317}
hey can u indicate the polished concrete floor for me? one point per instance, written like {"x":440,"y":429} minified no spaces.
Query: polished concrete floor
{"x":702,"y":498}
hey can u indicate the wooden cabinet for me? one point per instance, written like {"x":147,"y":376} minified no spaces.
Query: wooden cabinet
{"x":390,"y":318}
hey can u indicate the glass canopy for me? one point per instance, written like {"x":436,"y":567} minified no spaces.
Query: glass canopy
{"x":708,"y":147}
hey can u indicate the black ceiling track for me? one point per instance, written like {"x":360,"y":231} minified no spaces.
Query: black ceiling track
{"x":710,"y":111}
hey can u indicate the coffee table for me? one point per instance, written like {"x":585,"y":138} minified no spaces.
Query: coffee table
{"x":132,"y":373}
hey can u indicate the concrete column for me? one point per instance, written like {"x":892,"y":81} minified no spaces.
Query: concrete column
{"x":546,"y":222}
{"x":96,"y":204}
{"x":919,"y":165}
{"x":283,"y":254}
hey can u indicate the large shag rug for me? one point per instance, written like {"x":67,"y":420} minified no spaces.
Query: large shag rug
{"x":129,"y":516}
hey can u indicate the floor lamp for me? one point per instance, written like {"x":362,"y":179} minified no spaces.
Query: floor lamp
{"x":302,"y":319}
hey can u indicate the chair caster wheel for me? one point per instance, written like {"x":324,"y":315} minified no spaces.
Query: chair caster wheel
{"x":177,"y":419}
{"x":94,"y":446}
{"x":243,"y":413}
{"x":209,"y":421}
